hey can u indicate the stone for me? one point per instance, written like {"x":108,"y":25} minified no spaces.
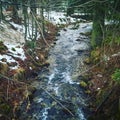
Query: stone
{"x":19,"y":54}
{"x":78,"y":39}
{"x":58,"y":34}
{"x":99,"y":75}
{"x":65,"y":29}
{"x":55,"y":39}
{"x":4,"y":60}
{"x":12,"y":64}
{"x":54,"y":43}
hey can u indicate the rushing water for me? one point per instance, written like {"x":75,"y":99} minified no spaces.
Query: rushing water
{"x":59,"y":95}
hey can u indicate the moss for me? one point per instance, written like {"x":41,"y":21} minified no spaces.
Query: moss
{"x":95,"y":55}
{"x":3,"y":68}
{"x":117,"y":116}
{"x":1,"y":42}
{"x":83,"y":84}
{"x":13,"y":49}
{"x":31,"y":44}
{"x":88,"y":92}
{"x":87,"y":61}
{"x":116,"y":76}
{"x":2,"y":46}
{"x":5,"y":108}
{"x":112,"y":37}
{"x":19,"y":74}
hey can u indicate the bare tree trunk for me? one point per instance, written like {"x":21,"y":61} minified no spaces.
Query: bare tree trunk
{"x":33,"y":8}
{"x":42,"y":17}
{"x":1,"y":14}
{"x":25,"y":20}
{"x":15,"y":16}
{"x":119,"y":104}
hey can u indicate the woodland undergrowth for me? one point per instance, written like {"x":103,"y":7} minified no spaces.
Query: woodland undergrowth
{"x":104,"y":78}
{"x":15,"y":85}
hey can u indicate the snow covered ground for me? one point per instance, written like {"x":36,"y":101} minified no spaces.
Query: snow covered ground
{"x":14,"y":41}
{"x":58,"y":18}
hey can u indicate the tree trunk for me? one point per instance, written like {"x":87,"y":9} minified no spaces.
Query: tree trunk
{"x":33,"y":8}
{"x":15,"y":16}
{"x":25,"y":20}
{"x":98,"y":25}
{"x":1,"y":14}
{"x":70,"y":9}
{"x":119,"y":104}
{"x":42,"y":19}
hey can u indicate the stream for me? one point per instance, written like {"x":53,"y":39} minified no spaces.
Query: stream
{"x":59,"y":95}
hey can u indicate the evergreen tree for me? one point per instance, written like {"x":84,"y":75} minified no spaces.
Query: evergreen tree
{"x":98,"y":24}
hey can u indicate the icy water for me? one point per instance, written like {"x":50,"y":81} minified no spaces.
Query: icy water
{"x":59,"y":95}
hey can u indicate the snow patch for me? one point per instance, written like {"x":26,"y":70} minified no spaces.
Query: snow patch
{"x":13,"y":40}
{"x":60,"y":18}
{"x":16,"y":50}
{"x":21,"y":29}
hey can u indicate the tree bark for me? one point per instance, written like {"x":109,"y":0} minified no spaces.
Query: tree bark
{"x":70,"y":9}
{"x":42,"y":20}
{"x":33,"y":8}
{"x":1,"y":14}
{"x":98,"y":25}
{"x":15,"y":12}
{"x":25,"y":20}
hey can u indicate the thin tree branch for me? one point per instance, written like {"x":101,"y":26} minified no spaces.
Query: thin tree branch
{"x":58,"y":101}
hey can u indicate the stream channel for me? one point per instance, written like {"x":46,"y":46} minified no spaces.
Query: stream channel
{"x":59,"y":95}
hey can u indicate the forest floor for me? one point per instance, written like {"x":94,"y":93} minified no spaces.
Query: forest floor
{"x":19,"y":65}
{"x":103,"y":86}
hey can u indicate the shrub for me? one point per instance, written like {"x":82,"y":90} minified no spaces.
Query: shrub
{"x":2,"y":46}
{"x":30,"y":44}
{"x":116,"y":75}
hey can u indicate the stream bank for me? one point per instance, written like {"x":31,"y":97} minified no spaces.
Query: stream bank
{"x":104,"y":89}
{"x":16,"y":73}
